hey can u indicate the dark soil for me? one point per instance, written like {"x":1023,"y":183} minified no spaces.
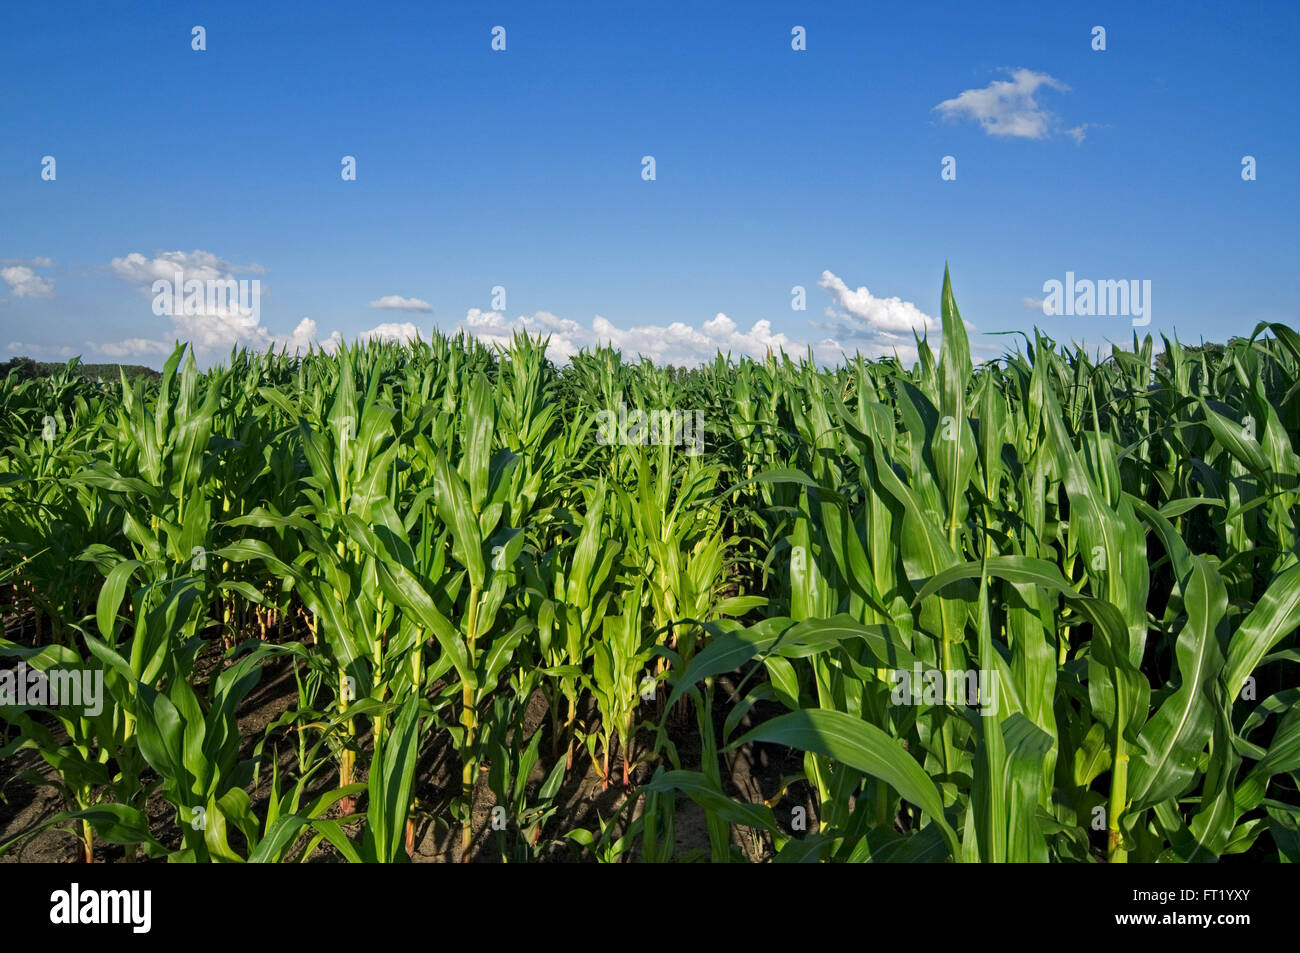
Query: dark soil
{"x":584,"y":801}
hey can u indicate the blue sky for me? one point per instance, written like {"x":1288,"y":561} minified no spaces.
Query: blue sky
{"x":774,"y":168}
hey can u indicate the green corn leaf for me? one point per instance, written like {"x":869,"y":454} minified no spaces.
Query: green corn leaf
{"x":859,"y":745}
{"x":1179,"y":731}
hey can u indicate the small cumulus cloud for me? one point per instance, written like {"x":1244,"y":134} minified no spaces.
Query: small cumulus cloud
{"x":406,"y":331}
{"x":24,"y":282}
{"x":133,"y":347}
{"x":892,"y":315}
{"x":398,"y":303}
{"x":1010,"y":107}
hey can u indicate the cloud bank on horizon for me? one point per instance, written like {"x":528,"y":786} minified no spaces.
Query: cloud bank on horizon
{"x":859,"y":322}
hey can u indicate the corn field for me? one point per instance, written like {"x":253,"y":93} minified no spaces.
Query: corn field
{"x":1042,"y":608}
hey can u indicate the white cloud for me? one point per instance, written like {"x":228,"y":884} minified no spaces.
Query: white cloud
{"x":217,"y":324}
{"x":874,"y":327}
{"x":406,"y":331}
{"x":303,"y":337}
{"x":222,"y":328}
{"x":492,"y":327}
{"x":861,"y":324}
{"x":398,"y":303}
{"x":679,"y":343}
{"x":209,"y":325}
{"x":133,"y":347}
{"x":1010,"y":108}
{"x":892,"y":315}
{"x":38,"y":262}
{"x":26,"y":283}
{"x":18,"y":347}
{"x":1033,"y":304}
{"x":197,"y":264}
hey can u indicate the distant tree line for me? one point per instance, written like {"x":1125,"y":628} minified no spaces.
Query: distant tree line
{"x":27,"y":368}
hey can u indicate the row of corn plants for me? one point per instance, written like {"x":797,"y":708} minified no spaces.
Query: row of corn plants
{"x":1042,"y":608}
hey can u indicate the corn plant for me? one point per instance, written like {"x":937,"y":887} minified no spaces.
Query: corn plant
{"x":443,"y":543}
